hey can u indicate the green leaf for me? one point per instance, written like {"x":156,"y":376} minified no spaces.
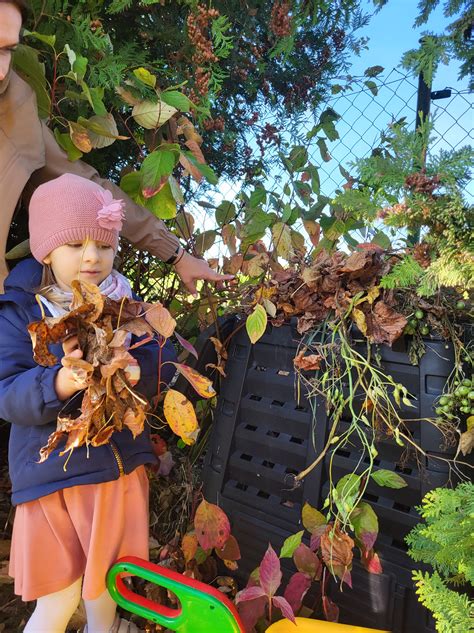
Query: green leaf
{"x":312,"y":518}
{"x":131,"y":184}
{"x":372,"y":86}
{"x":333,"y":228}
{"x":204,"y":241}
{"x":145,"y":76}
{"x":366,"y":524}
{"x":156,"y":166}
{"x":282,"y":239}
{"x":162,"y":204}
{"x":258,"y":196}
{"x":330,"y":130}
{"x":373,"y":71}
{"x":304,"y":191}
{"x":225,"y":212}
{"x":382,"y":240}
{"x":20,"y":250}
{"x":205,"y":170}
{"x":25,"y":61}
{"x":50,"y":40}
{"x":298,"y":157}
{"x":345,"y":494}
{"x":97,"y":95}
{"x":64,"y":141}
{"x":256,"y":323}
{"x":323,"y":148}
{"x":77,"y":62}
{"x":388,"y":479}
{"x":176,"y":190}
{"x":177,"y":100}
{"x":315,"y":182}
{"x":290,"y":544}
{"x":286,"y":213}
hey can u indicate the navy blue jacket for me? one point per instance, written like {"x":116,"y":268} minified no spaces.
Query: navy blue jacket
{"x":28,"y":400}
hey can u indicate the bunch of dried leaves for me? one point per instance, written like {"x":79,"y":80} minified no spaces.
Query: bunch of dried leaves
{"x":109,"y":403}
{"x":338,"y":284}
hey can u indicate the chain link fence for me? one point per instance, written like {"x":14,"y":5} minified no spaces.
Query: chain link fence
{"x":366,"y":109}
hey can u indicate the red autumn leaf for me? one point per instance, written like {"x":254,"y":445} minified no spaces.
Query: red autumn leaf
{"x":366,"y":525}
{"x":251,"y":611}
{"x":285,"y":608}
{"x":371,"y":561}
{"x":370,"y":246}
{"x":249,"y":593}
{"x":306,"y":561}
{"x":187,"y":345}
{"x":315,"y":542}
{"x":270,"y":572}
{"x":331,"y":610}
{"x":296,"y":589}
{"x":212,"y":526}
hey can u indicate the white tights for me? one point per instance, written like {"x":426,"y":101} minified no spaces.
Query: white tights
{"x":53,"y":612}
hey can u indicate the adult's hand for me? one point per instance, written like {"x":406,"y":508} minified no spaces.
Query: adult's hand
{"x":190,"y":269}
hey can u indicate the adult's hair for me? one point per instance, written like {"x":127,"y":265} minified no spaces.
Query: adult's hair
{"x":22,"y":6}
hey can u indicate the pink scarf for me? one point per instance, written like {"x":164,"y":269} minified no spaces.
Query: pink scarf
{"x":115,"y":286}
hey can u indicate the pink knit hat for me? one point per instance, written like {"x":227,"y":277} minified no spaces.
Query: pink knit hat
{"x":71,"y":208}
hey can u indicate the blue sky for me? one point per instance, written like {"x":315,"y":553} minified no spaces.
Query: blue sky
{"x":391,"y":33}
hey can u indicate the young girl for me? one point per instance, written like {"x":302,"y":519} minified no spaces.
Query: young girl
{"x":70,"y":524}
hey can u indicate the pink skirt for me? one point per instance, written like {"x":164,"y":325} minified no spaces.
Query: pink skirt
{"x":79,"y":531}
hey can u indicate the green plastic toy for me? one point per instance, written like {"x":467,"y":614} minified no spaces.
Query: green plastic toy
{"x":202,"y":608}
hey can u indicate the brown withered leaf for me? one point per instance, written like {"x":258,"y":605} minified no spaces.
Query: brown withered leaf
{"x":76,"y":437}
{"x":219,"y":347}
{"x":337,"y":552}
{"x":81,"y":369}
{"x":134,"y":420}
{"x":356,"y":262}
{"x":219,"y":368}
{"x":84,"y":292}
{"x":102,"y":436}
{"x":233,"y":264}
{"x":120,"y":359}
{"x":466,"y":441}
{"x":138,"y":327}
{"x":119,"y":338}
{"x":307,"y":363}
{"x":160,"y":319}
{"x":53,"y":441}
{"x":51,"y":330}
{"x":384,"y":324}
{"x":126,"y":309}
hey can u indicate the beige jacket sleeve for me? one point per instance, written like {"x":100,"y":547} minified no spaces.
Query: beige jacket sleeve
{"x":141,"y":227}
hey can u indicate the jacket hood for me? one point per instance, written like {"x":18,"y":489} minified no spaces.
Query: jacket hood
{"x":25,"y":276}
{"x":21,"y":283}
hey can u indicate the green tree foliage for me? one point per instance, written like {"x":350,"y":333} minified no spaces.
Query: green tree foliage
{"x":444,"y":541}
{"x":233,"y":60}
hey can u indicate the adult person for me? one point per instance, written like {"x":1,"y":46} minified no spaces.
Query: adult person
{"x":30,"y":156}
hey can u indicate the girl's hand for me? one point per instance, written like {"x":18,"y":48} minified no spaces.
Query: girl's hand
{"x":66,"y":383}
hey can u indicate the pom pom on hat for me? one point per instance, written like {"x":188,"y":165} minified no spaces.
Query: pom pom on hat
{"x":71,"y":208}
